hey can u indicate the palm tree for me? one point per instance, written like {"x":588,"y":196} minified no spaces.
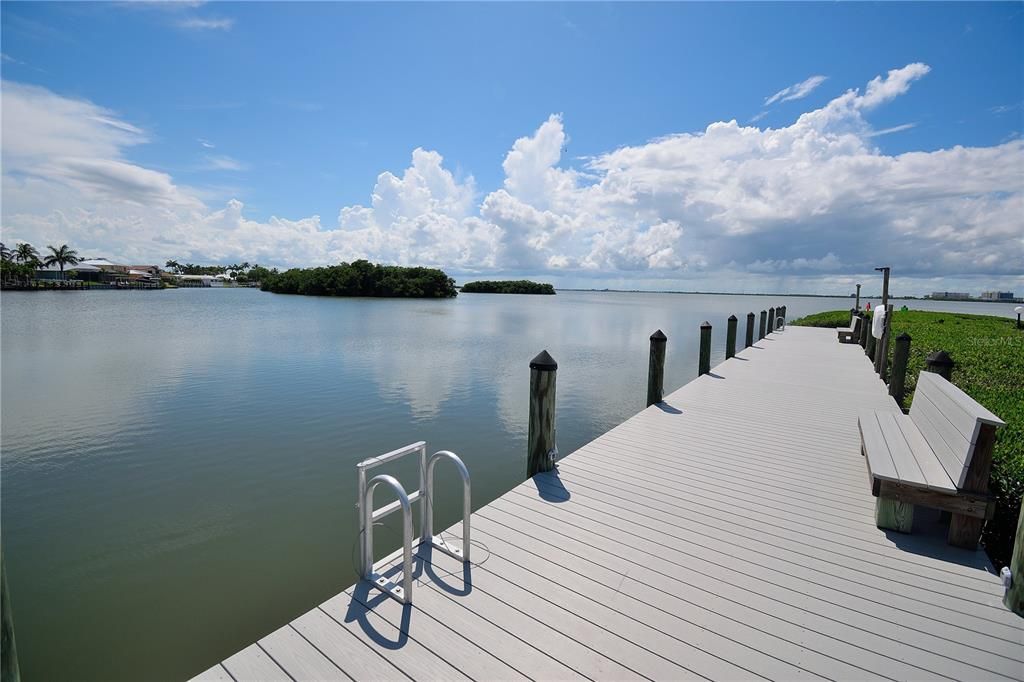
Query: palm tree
{"x":173,"y":266}
{"x":5,"y":253}
{"x":26,"y":253}
{"x":62,"y":256}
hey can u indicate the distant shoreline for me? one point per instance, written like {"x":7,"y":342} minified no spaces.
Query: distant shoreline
{"x":734,"y":293}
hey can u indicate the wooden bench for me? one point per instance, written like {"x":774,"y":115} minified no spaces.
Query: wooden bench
{"x":938,"y":456}
{"x":851,"y":333}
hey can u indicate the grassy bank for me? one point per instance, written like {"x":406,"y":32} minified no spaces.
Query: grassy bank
{"x":989,"y":356}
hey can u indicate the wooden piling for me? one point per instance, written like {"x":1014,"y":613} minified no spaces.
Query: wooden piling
{"x":760,"y":327}
{"x":784,"y":318}
{"x":882,"y":353}
{"x":1014,"y":597}
{"x":869,"y":347}
{"x":541,"y":438}
{"x":940,"y":363}
{"x":749,"y":339}
{"x":656,"y":368}
{"x":9,"y":671}
{"x":730,"y":337}
{"x":900,"y":357}
{"x":858,"y":298}
{"x":704,"y":358}
{"x":771,"y":320}
{"x":865,"y":329}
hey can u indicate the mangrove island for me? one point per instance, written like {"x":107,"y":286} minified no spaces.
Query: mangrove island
{"x":362,"y":278}
{"x":518,"y":286}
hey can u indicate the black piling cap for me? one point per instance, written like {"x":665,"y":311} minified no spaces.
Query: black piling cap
{"x":732,"y":318}
{"x":544,"y":362}
{"x":749,"y":315}
{"x":939,"y":357}
{"x":906,"y":337}
{"x":659,"y":336}
{"x":706,"y":325}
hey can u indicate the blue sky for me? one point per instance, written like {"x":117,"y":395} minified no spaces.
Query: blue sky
{"x":265,"y":112}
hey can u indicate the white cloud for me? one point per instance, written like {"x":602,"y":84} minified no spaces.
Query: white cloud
{"x":730,"y":207}
{"x":205,"y":143}
{"x":222,"y":162}
{"x":796,"y":91}
{"x":207,"y":23}
{"x":889,"y":131}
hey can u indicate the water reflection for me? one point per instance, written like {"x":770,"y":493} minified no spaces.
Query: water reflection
{"x":174,"y":453}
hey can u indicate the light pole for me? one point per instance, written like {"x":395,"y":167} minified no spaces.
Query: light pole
{"x":885,"y":284}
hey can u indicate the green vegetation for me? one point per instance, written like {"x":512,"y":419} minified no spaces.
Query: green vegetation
{"x":61,"y":256}
{"x":518,"y":286}
{"x":989,"y":356}
{"x":362,"y":278}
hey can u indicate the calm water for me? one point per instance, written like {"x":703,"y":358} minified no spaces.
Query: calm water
{"x":178,"y":466}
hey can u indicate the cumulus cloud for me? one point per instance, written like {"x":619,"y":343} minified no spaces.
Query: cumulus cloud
{"x":742,"y":206}
{"x":796,"y":91}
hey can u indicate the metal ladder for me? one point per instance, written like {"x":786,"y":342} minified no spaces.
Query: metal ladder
{"x":368,"y":515}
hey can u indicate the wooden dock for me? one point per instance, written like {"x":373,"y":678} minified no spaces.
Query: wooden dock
{"x":726,"y":533}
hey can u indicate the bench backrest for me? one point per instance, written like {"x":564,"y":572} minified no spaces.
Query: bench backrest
{"x":950,"y":421}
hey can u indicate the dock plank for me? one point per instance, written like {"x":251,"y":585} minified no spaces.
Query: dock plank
{"x":727,"y":533}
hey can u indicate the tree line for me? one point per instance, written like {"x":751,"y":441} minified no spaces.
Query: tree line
{"x":517,"y":286}
{"x":362,"y":278}
{"x":20,"y":263}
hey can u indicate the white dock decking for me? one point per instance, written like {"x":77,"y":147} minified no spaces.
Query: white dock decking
{"x":726,"y":534}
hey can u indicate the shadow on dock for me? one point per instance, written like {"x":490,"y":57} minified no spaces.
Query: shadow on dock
{"x":364,"y":599}
{"x":550,"y":487}
{"x":929,"y":540}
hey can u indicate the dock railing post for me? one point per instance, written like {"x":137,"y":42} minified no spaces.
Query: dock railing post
{"x":730,"y":337}
{"x":898,"y":379}
{"x":704,"y":359}
{"x":541,"y":438}
{"x":864,"y":329}
{"x":1014,"y":597}
{"x":760,"y":327}
{"x":858,"y":297}
{"x":784,"y":318}
{"x":771,"y":320}
{"x":656,"y":368}
{"x":869,"y":347}
{"x":940,"y":363}
{"x":749,"y":340}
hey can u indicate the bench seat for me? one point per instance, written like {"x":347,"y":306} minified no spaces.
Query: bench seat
{"x":897,"y":452}
{"x":850,"y":333}
{"x":938,"y":456}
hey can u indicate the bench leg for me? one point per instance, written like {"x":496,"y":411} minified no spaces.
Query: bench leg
{"x":965,"y":531}
{"x":892,"y":514}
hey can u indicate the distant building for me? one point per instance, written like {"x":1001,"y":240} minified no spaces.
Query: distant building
{"x":950,"y":296}
{"x":997,"y":296}
{"x":81,"y":271}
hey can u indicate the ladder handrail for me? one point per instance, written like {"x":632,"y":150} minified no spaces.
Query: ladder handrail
{"x":367,"y":514}
{"x":367,"y":522}
{"x":428,"y":508}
